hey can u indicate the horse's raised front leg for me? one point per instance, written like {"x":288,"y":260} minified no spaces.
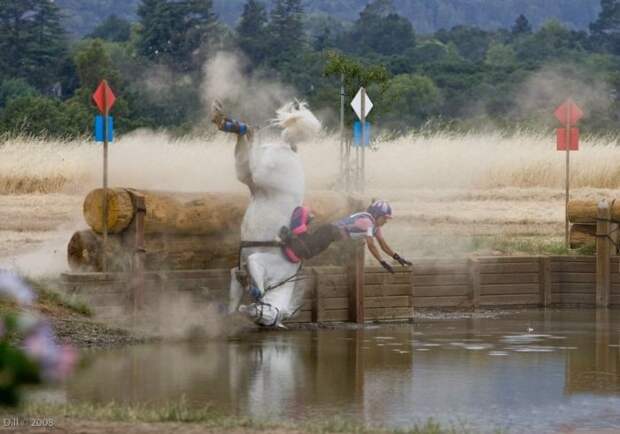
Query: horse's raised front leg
{"x":242,"y":162}
{"x":244,"y":143}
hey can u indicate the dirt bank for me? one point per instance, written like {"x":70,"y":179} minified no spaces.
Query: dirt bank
{"x":90,"y":427}
{"x":74,"y":323}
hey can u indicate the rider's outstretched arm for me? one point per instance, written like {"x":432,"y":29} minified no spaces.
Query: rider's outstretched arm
{"x":375,"y":252}
{"x":384,"y":245}
{"x":388,"y":250}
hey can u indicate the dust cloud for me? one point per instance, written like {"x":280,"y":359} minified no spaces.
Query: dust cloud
{"x":249,"y":96}
{"x":462,"y":185}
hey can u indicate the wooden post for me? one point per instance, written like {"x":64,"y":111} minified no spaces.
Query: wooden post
{"x":411,"y":294}
{"x":545,"y":281}
{"x":356,"y":295}
{"x":603,"y":254}
{"x":106,"y":113}
{"x":139,"y":253}
{"x":567,"y":199}
{"x":474,"y":273}
{"x":315,"y":296}
{"x":614,"y":238}
{"x":363,"y":143}
{"x":343,"y":165}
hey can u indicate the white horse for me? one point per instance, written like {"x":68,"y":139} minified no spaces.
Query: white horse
{"x":274,"y":174}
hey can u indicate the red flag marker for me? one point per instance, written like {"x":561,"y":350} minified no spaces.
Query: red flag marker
{"x":568,"y":113}
{"x":573,"y":139}
{"x":104,"y":98}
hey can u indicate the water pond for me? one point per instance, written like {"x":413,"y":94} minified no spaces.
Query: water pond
{"x":527,"y":371}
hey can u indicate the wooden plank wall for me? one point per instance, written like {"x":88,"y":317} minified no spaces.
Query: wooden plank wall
{"x":573,"y":280}
{"x":510,"y":281}
{"x":614,"y":297}
{"x":387,"y":296}
{"x":442,"y":283}
{"x":331,"y":294}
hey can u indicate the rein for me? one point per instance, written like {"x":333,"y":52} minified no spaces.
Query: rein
{"x":296,"y":277}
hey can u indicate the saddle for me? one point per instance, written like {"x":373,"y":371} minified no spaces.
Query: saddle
{"x":294,"y":249}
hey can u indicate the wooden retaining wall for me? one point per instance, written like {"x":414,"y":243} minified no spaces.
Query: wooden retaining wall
{"x":329,"y":291}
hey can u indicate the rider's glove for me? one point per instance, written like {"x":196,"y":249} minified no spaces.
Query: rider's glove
{"x":387,"y":266}
{"x":401,"y":261}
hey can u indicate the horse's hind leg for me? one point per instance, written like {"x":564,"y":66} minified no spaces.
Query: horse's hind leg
{"x":236,"y":291}
{"x":257,"y":275}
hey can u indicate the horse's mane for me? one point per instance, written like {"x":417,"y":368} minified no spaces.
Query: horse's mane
{"x":298,"y":123}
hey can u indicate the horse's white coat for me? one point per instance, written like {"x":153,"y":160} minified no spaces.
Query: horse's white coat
{"x":274,"y":173}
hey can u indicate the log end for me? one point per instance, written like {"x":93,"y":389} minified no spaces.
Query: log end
{"x":120,"y":210}
{"x":83,"y":252}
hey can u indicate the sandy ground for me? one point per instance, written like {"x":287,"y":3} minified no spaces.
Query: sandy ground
{"x":36,"y":228}
{"x":449,"y":191}
{"x":89,"y":427}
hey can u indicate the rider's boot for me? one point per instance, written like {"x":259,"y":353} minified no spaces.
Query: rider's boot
{"x":285,"y":235}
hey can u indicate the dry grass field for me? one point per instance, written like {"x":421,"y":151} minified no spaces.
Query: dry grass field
{"x":452,"y":194}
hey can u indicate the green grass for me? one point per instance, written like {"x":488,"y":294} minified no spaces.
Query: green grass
{"x":527,"y":245}
{"x":48,"y":297}
{"x":181,"y":412}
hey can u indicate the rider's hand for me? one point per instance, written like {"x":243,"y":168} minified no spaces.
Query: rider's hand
{"x":401,"y":261}
{"x":387,"y":266}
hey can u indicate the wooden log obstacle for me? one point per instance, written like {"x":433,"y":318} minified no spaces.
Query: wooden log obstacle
{"x":348,"y":291}
{"x":181,"y":231}
{"x":597,"y":223}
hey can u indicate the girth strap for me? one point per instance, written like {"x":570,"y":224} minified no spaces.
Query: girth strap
{"x":249,"y":244}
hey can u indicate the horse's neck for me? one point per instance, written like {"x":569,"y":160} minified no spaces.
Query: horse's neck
{"x":277,"y":173}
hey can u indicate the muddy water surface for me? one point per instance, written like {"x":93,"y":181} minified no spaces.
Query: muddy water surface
{"x":529,"y":371}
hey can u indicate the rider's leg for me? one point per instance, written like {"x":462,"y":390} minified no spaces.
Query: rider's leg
{"x":320,"y":239}
{"x":312,"y":243}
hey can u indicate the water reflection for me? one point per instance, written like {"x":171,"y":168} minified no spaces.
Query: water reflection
{"x":595,"y":368}
{"x":529,"y":371}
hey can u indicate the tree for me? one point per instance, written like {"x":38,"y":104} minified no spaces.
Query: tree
{"x":252,"y":31}
{"x":113,"y":29}
{"x":93,"y":63}
{"x":48,"y":45}
{"x":472,"y":42}
{"x":355,"y":74}
{"x":606,"y":29}
{"x":32,"y":41}
{"x":408,"y":100}
{"x":551,"y":41}
{"x":521,"y":26}
{"x":174,"y":32}
{"x":81,"y":17}
{"x":379,"y":29}
{"x":15,"y":88}
{"x":500,"y":55}
{"x":34,"y":115}
{"x":286,"y":31}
